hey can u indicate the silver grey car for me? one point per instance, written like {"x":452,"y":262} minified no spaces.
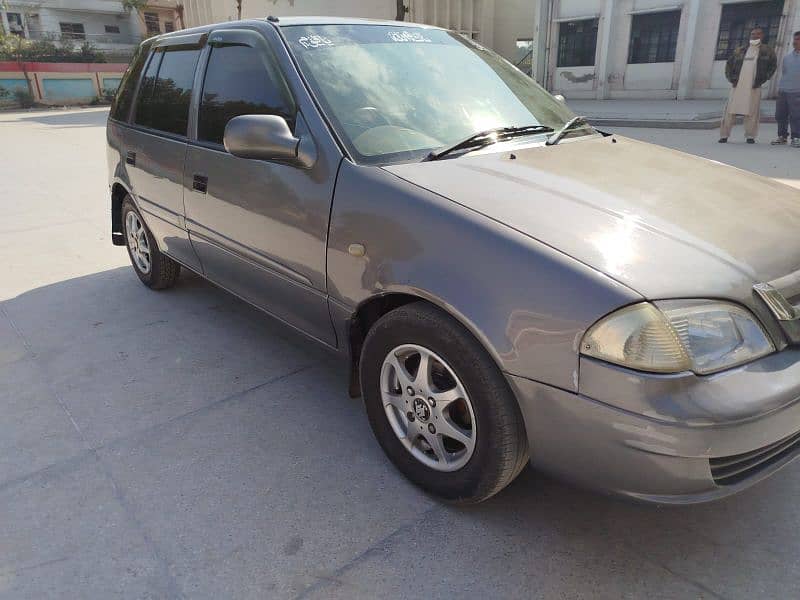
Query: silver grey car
{"x":507,"y":284}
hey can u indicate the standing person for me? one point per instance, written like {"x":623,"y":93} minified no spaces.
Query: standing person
{"x":787,"y":109}
{"x":748,"y":68}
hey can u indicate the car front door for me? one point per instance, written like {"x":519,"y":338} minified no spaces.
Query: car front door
{"x":259,"y":228}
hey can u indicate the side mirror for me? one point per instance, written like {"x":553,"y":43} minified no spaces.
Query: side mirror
{"x":560,"y":98}
{"x":268,"y":137}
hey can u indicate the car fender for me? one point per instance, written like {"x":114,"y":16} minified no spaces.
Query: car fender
{"x":527,"y":303}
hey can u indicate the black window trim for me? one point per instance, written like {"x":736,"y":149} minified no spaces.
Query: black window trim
{"x":195,"y":41}
{"x":154,"y":52}
{"x":163,"y":49}
{"x":201,"y":39}
{"x":147,"y":17}
{"x":72,"y":35}
{"x":656,"y":11}
{"x":136,"y":84}
{"x":151,"y":130}
{"x":587,"y":19}
{"x":191,"y":39}
{"x":739,"y":5}
{"x":230,"y":36}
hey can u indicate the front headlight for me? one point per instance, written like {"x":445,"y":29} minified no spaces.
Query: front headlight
{"x":672,"y":336}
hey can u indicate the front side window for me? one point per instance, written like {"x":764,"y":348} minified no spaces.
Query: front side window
{"x":654,"y":37}
{"x":72,"y":31}
{"x":395,"y":93}
{"x":239,"y":81}
{"x":577,"y":43}
{"x":738,"y":20}
{"x":166,"y":90}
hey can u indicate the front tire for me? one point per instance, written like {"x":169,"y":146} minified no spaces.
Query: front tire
{"x":439,"y":406}
{"x":156,"y":270}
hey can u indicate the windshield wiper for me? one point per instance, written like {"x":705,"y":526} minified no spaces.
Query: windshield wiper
{"x":487,"y":138}
{"x":556,"y":137}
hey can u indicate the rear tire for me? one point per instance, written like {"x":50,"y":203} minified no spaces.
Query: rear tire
{"x":156,"y":270}
{"x":488,"y":447}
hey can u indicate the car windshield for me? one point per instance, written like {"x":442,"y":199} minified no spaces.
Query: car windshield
{"x":396,"y":93}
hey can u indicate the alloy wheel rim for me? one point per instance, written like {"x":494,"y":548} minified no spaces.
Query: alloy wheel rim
{"x":428,"y":407}
{"x":137,"y":242}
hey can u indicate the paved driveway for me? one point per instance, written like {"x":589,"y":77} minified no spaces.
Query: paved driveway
{"x":182,"y":445}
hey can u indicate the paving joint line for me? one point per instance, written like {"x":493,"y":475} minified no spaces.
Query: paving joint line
{"x":66,"y":463}
{"x":380,"y":547}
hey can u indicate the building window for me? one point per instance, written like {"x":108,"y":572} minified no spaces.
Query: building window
{"x":654,"y":37}
{"x":72,"y":31}
{"x":15,"y":25}
{"x":151,"y":23}
{"x":112,"y":28}
{"x":169,"y":26}
{"x":577,"y":43}
{"x":523,"y":55}
{"x":738,"y":20}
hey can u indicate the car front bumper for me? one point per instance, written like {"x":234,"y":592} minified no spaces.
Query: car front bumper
{"x":675,"y":439}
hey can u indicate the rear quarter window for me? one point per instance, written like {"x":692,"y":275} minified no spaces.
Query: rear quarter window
{"x":123,"y":99}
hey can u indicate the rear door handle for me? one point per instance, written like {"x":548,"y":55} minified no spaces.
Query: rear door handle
{"x":130,"y":158}
{"x":200,"y":183}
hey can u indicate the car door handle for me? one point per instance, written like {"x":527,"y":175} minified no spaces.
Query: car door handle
{"x":130,"y":158}
{"x":200,"y":183}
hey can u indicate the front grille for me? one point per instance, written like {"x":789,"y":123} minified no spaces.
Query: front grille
{"x":729,"y":470}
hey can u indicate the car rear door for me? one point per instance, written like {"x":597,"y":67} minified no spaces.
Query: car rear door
{"x":259,"y":227}
{"x":155,"y":142}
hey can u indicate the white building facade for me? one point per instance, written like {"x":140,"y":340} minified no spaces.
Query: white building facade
{"x":505,"y":25}
{"x":656,"y":49}
{"x":659,"y":49}
{"x":104,"y":23}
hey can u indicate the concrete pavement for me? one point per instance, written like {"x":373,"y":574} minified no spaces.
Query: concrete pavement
{"x":182,"y":445}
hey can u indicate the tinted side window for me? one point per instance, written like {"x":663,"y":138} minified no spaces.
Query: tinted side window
{"x":144,"y":100}
{"x":239,"y":81}
{"x":124,"y":97}
{"x":164,"y":105}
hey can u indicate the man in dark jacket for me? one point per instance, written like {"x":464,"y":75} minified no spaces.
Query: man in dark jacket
{"x":748,"y":68}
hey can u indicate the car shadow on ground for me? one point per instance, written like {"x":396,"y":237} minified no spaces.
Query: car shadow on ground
{"x":148,"y":376}
{"x":60,"y":120}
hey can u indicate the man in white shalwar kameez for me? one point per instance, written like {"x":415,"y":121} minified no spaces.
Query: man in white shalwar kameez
{"x":747,"y":69}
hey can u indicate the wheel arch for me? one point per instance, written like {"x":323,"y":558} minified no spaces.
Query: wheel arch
{"x":118,"y":193}
{"x":370,"y":310}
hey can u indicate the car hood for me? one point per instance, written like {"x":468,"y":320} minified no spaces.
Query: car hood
{"x":664,"y":223}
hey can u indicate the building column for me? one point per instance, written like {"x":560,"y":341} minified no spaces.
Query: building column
{"x":541,"y":29}
{"x":604,"y":43}
{"x":486,"y":23}
{"x":685,"y":77}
